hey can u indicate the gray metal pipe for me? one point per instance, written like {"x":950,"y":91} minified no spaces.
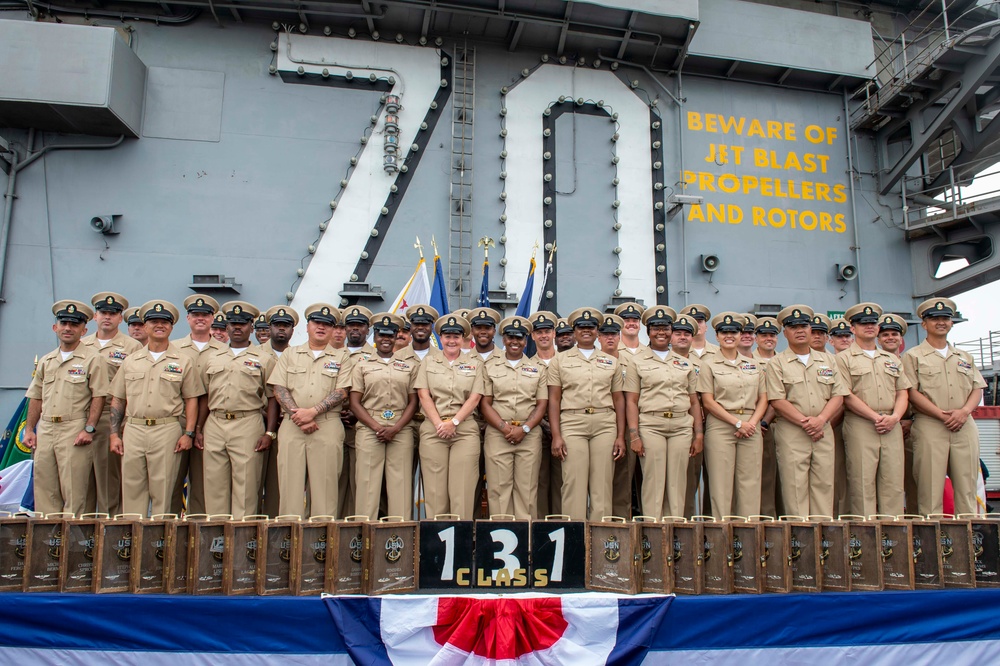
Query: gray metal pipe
{"x":854,"y":210}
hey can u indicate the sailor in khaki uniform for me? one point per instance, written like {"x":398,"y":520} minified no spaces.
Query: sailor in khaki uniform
{"x":734,"y":396}
{"x":421,"y":318}
{"x":891,"y":329}
{"x":766,"y":336}
{"x":218,"y":329}
{"x":197,"y":345}
{"x":383,"y":400}
{"x":697,"y":473}
{"x":114,"y":347}
{"x":236,"y":439}
{"x":877,"y":402}
{"x":310,"y":381}
{"x":543,"y":333}
{"x":747,"y":335}
{"x":281,"y":321}
{"x":609,"y":337}
{"x":515,"y":395}
{"x":449,"y":437}
{"x":664,"y":416}
{"x":805,"y":388}
{"x":136,"y":327}
{"x":261,"y":329}
{"x":947,"y":386}
{"x":841,"y":336}
{"x":631,"y":314}
{"x":564,"y":336}
{"x":357,"y":324}
{"x":153,"y":389}
{"x":66,"y":397}
{"x":587,"y":415}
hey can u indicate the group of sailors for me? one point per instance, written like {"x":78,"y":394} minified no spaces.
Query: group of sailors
{"x":594,"y":423}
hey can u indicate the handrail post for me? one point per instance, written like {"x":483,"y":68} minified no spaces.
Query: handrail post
{"x":944,"y":17}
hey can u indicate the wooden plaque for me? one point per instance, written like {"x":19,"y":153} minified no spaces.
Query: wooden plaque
{"x":43,"y":553}
{"x":446,"y":558}
{"x":777,"y":557}
{"x":178,"y":551}
{"x":614,"y":554}
{"x":13,"y":546}
{"x":275,"y":555}
{"x":390,"y":556}
{"x":242,"y":546}
{"x":835,"y":538}
{"x":309,"y":559}
{"x":149,"y":555}
{"x":207,"y":555}
{"x":748,"y":552}
{"x":115,"y":553}
{"x":656,"y":546}
{"x":865,"y":554}
{"x":805,"y":554}
{"x":502,"y":553}
{"x":688,"y":558}
{"x":986,"y":550}
{"x":558,"y":553}
{"x":928,"y":571}
{"x":897,"y":554}
{"x":79,"y":546}
{"x":345,"y":569}
{"x":717,"y":562}
{"x":957,"y":558}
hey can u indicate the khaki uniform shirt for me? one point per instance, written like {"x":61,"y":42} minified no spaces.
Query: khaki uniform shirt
{"x":363,"y":353}
{"x":663,"y":385}
{"x":114,"y":352}
{"x":586,"y":382}
{"x":450,"y":384}
{"x":947,"y":382}
{"x":267,"y":350}
{"x":807,"y":387}
{"x":709,"y":350}
{"x":67,"y":387}
{"x":733,"y":384}
{"x":624,"y":351}
{"x":515,"y":389}
{"x":157,"y":389}
{"x":237,"y":383}
{"x":763,"y":361}
{"x":385,"y":384}
{"x":874,"y":381}
{"x":187,"y":346}
{"x":310,"y":379}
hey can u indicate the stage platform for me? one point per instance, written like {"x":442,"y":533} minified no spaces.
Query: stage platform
{"x":960,"y":626}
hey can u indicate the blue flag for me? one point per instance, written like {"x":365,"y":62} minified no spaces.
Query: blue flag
{"x":439,"y":293}
{"x":524,"y":305}
{"x":484,"y":290}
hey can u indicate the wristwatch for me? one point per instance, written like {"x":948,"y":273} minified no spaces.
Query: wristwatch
{"x":764,"y":424}
{"x":526,"y":428}
{"x":455,"y":422}
{"x":272,"y":435}
{"x":89,"y":429}
{"x":739,"y":424}
{"x":189,"y":433}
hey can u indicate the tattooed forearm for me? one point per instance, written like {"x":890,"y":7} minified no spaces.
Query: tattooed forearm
{"x":284,"y":397}
{"x":117,"y":415}
{"x":329,"y":402}
{"x":633,"y":433}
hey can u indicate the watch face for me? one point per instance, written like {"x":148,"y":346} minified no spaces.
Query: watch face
{"x":526,"y":429}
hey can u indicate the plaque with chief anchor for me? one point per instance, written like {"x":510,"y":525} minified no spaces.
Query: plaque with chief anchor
{"x":79,"y":550}
{"x":44,"y":552}
{"x":805,"y":550}
{"x":717,"y":560}
{"x":897,"y":552}
{"x":656,"y":548}
{"x":834,"y":563}
{"x":207,"y":551}
{"x":777,"y":555}
{"x":115,"y":553}
{"x":986,"y":550}
{"x":864,"y":550}
{"x":957,"y":557}
{"x":276,"y":550}
{"x":687,"y":556}
{"x":390,"y":556}
{"x":149,"y":554}
{"x":13,"y":544}
{"x":928,"y":570}
{"x":243,"y":540}
{"x":614,"y":556}
{"x":345,"y":556}
{"x":748,"y":550}
{"x":308,"y":574}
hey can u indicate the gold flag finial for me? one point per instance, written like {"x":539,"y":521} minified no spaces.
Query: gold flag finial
{"x":434,"y":245}
{"x":420,"y":248}
{"x":534,"y":249}
{"x":485,"y":242}
{"x":552,"y":252}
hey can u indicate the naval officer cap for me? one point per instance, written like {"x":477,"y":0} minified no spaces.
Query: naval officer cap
{"x":891,"y":322}
{"x":159,"y":310}
{"x":355,"y":314}
{"x":563,"y":327}
{"x":584,"y":318}
{"x":863,"y":313}
{"x":516,"y":327}
{"x":282,"y":314}
{"x":74,"y":312}
{"x":768,"y":325}
{"x":484,"y":317}
{"x":659,"y":315}
{"x":629,"y":311}
{"x":219,"y":321}
{"x":685,"y":323}
{"x":463,"y":313}
{"x":201,"y":304}
{"x":749,"y":323}
{"x":324,"y":313}
{"x":697,"y":311}
{"x":421,"y":314}
{"x":239,"y":312}
{"x":840,"y":327}
{"x":133,"y":317}
{"x":937,"y":307}
{"x":543,"y":319}
{"x":611,"y":323}
{"x":796,"y":315}
{"x":820,"y":322}
{"x":386,"y":323}
{"x":260,"y":322}
{"x":727,"y":322}
{"x":452,"y":323}
{"x":109,"y":301}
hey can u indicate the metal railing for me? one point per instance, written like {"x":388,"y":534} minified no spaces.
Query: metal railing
{"x":926,"y":207}
{"x":985,"y":351}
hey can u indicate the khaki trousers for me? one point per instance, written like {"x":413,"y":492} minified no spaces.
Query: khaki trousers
{"x":315,"y":459}
{"x":805,"y":469}
{"x":105,"y":494}
{"x":938,"y":452}
{"x":346,"y":490}
{"x":376,"y":459}
{"x":232,"y":466}
{"x":449,"y":469}
{"x":589,"y":465}
{"x":150,"y":467}
{"x":621,"y":499}
{"x":549,"y":477}
{"x":909,"y":476}
{"x":61,"y":470}
{"x":270,"y":496}
{"x":667,"y":446}
{"x":841,"y":499}
{"x":769,"y":491}
{"x":874,"y":467}
{"x":512,"y":473}
{"x":734,"y":468}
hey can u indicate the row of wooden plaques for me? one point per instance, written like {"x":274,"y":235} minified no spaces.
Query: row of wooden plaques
{"x":215,"y":555}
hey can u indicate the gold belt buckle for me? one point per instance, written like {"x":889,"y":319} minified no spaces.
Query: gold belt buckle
{"x":517,"y":423}
{"x":150,"y":422}
{"x":668,"y":415}
{"x":588,"y":410}
{"x":741,"y":412}
{"x":55,"y":419}
{"x":230,"y":416}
